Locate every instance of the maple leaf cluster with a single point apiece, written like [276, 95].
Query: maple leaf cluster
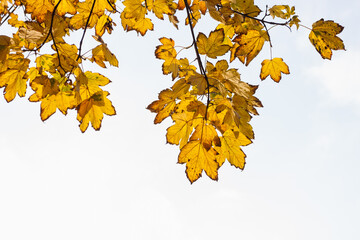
[209, 104]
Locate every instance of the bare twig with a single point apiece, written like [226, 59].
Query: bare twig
[202, 70]
[86, 25]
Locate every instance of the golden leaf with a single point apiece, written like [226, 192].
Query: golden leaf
[14, 81]
[101, 53]
[250, 44]
[197, 159]
[4, 47]
[323, 37]
[212, 46]
[93, 110]
[274, 68]
[179, 132]
[66, 6]
[39, 9]
[164, 106]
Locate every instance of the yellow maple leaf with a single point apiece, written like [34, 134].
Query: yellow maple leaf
[88, 83]
[160, 7]
[212, 46]
[66, 6]
[53, 93]
[92, 110]
[167, 52]
[102, 5]
[179, 132]
[143, 25]
[14, 78]
[323, 37]
[274, 68]
[230, 148]
[79, 20]
[39, 9]
[101, 53]
[164, 106]
[134, 9]
[246, 6]
[104, 23]
[205, 133]
[14, 81]
[33, 33]
[198, 159]
[4, 47]
[250, 44]
[278, 11]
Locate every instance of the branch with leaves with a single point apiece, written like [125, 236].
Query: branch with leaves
[211, 107]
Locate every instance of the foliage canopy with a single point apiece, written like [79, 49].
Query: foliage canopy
[210, 105]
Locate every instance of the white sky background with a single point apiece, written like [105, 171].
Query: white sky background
[301, 180]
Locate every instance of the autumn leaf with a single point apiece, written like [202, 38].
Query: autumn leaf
[164, 106]
[212, 46]
[66, 6]
[14, 82]
[160, 7]
[39, 9]
[230, 148]
[274, 68]
[179, 132]
[198, 159]
[101, 53]
[250, 44]
[4, 47]
[323, 37]
[92, 110]
[167, 52]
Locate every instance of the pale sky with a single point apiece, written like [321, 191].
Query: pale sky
[301, 179]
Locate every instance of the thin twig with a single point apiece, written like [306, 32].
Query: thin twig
[10, 11]
[51, 26]
[112, 6]
[202, 70]
[86, 25]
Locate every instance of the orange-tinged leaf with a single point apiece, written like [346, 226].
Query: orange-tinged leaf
[197, 159]
[323, 37]
[274, 68]
[212, 46]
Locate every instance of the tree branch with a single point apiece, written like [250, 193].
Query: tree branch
[202, 70]
[86, 25]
